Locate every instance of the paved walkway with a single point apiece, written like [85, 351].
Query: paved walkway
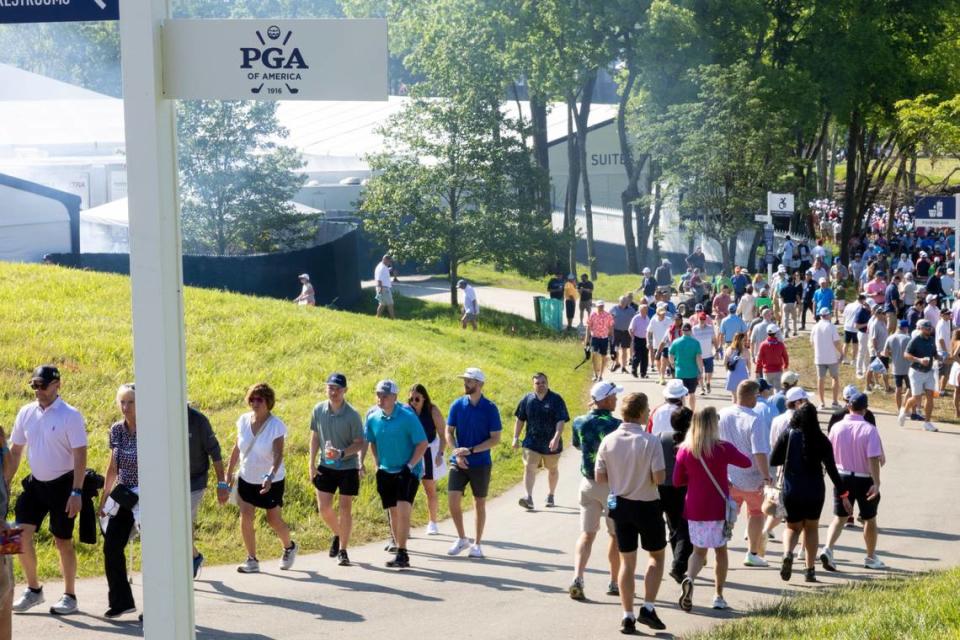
[519, 590]
[436, 289]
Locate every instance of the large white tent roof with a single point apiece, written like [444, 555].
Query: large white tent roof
[17, 84]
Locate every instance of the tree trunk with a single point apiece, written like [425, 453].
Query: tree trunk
[454, 276]
[541, 153]
[644, 211]
[629, 195]
[832, 170]
[850, 204]
[730, 260]
[573, 188]
[583, 119]
[754, 246]
[913, 172]
[655, 221]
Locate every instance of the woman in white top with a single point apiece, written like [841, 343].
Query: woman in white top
[258, 459]
[306, 296]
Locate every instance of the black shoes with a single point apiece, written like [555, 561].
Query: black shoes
[400, 561]
[628, 626]
[786, 567]
[344, 559]
[335, 547]
[116, 612]
[811, 575]
[650, 618]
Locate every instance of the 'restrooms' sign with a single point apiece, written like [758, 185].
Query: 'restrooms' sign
[275, 59]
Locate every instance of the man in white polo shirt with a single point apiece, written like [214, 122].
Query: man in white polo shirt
[55, 436]
[384, 285]
[826, 355]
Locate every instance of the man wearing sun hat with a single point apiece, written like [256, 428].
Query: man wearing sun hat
[826, 354]
[473, 429]
[588, 431]
[673, 394]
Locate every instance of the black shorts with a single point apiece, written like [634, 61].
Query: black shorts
[858, 488]
[427, 464]
[600, 345]
[885, 360]
[690, 384]
[477, 477]
[40, 498]
[346, 481]
[850, 337]
[621, 339]
[902, 382]
[634, 519]
[250, 493]
[396, 487]
[708, 365]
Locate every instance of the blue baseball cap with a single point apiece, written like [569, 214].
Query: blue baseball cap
[731, 308]
[859, 402]
[904, 324]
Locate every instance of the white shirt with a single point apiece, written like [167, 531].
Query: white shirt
[306, 294]
[660, 420]
[819, 252]
[747, 308]
[779, 425]
[850, 316]
[947, 283]
[942, 335]
[50, 436]
[658, 329]
[470, 303]
[256, 461]
[382, 275]
[906, 265]
[824, 337]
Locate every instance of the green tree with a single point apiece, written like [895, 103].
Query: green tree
[723, 151]
[235, 181]
[449, 185]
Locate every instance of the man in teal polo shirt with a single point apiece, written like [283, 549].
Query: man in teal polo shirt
[397, 443]
[686, 356]
[473, 426]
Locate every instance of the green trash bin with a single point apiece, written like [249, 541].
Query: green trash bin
[551, 313]
[536, 309]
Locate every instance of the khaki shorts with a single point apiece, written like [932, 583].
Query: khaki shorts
[549, 461]
[385, 297]
[196, 497]
[593, 506]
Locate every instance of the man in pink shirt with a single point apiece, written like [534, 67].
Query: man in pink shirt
[859, 454]
[876, 288]
[597, 337]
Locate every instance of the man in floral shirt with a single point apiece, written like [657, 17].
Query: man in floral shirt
[599, 329]
[588, 431]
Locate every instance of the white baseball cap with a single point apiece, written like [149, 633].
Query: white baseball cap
[772, 329]
[674, 389]
[796, 393]
[473, 373]
[388, 386]
[603, 390]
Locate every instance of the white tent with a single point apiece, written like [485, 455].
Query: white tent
[36, 220]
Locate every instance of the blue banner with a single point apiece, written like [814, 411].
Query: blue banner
[935, 211]
[20, 11]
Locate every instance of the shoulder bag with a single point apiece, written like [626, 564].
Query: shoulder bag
[234, 498]
[731, 509]
[773, 495]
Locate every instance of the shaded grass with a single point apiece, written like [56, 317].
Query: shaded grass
[81, 321]
[923, 606]
[928, 173]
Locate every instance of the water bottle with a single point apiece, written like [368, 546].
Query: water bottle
[612, 501]
[330, 454]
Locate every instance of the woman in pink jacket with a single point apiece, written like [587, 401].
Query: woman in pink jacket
[702, 455]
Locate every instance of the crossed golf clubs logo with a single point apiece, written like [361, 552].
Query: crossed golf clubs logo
[273, 33]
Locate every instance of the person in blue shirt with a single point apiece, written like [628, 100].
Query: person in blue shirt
[732, 324]
[473, 428]
[823, 297]
[397, 443]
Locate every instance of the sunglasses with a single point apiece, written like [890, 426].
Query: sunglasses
[415, 399]
[255, 400]
[39, 385]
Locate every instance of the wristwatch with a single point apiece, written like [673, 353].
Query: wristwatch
[76, 493]
[470, 450]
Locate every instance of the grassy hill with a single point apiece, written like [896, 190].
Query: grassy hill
[81, 321]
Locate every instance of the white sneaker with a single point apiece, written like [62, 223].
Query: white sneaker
[902, 418]
[65, 606]
[753, 560]
[928, 426]
[289, 555]
[28, 600]
[458, 546]
[475, 551]
[826, 559]
[432, 529]
[250, 565]
[802, 555]
[720, 603]
[873, 562]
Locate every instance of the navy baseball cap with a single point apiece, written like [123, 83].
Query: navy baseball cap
[764, 385]
[46, 373]
[337, 379]
[859, 402]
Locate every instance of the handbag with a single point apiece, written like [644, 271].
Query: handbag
[773, 495]
[732, 362]
[732, 508]
[234, 497]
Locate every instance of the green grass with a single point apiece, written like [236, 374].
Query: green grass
[606, 287]
[917, 607]
[928, 173]
[81, 321]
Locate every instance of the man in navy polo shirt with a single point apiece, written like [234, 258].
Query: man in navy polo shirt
[473, 426]
[544, 412]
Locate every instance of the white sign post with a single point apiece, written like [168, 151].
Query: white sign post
[156, 262]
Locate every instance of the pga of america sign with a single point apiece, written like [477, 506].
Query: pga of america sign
[275, 59]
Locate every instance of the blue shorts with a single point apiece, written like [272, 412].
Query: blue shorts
[708, 365]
